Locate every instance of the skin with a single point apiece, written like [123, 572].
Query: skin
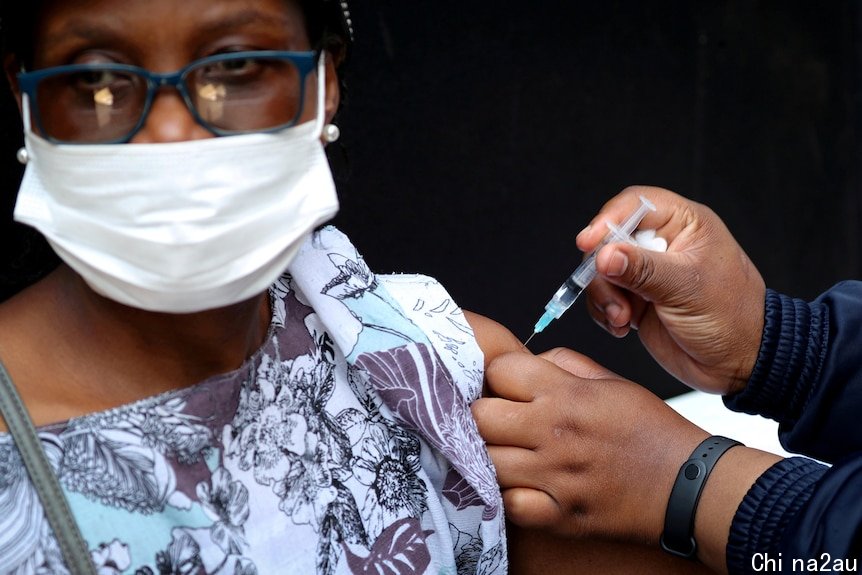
[61, 313]
[559, 481]
[102, 353]
[604, 458]
[697, 308]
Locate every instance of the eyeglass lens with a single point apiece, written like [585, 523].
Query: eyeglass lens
[232, 95]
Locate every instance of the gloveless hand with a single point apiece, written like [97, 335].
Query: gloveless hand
[698, 307]
[579, 450]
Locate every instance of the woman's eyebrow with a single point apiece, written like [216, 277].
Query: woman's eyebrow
[249, 16]
[73, 32]
[113, 32]
[246, 17]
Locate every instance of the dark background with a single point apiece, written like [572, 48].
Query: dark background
[479, 138]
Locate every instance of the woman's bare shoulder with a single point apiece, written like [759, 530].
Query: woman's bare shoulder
[493, 337]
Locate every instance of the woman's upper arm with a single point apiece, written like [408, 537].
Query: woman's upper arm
[493, 338]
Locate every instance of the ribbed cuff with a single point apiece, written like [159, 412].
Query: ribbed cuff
[789, 360]
[771, 503]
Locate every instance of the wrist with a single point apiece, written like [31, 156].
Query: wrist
[729, 482]
[678, 536]
[746, 348]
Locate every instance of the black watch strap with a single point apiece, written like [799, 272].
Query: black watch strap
[678, 536]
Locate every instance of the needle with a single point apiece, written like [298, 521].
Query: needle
[526, 343]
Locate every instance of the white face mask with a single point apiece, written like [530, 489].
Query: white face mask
[180, 227]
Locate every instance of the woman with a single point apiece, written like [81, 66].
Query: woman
[204, 411]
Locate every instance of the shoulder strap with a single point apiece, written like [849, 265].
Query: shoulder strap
[72, 544]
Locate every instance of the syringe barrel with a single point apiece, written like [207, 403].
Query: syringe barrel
[564, 297]
[585, 272]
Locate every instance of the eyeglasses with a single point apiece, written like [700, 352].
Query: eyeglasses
[234, 93]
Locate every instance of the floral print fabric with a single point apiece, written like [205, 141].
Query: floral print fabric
[344, 445]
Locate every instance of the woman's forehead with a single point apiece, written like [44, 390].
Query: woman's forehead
[154, 25]
[25, 26]
[113, 7]
[178, 15]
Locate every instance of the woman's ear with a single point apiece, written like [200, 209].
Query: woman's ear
[333, 89]
[11, 67]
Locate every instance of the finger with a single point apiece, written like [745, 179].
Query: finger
[598, 316]
[611, 302]
[493, 338]
[530, 507]
[673, 213]
[653, 276]
[577, 364]
[519, 376]
[516, 466]
[639, 308]
[504, 422]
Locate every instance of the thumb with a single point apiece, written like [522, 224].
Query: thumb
[654, 276]
[576, 363]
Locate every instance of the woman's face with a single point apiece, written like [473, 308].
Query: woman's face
[164, 36]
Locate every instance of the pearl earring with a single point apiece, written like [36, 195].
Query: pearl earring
[331, 133]
[23, 155]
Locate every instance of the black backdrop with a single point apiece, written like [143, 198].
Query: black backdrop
[479, 138]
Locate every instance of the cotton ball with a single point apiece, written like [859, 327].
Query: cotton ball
[648, 240]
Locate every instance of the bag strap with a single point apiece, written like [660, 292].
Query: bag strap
[72, 545]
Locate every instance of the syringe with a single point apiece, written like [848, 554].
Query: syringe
[584, 274]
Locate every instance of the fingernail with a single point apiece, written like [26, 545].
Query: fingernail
[618, 264]
[612, 312]
[620, 332]
[583, 231]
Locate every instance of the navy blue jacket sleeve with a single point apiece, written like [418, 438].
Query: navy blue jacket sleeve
[808, 374]
[808, 377]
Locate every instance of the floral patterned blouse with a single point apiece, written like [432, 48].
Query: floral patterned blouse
[345, 444]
